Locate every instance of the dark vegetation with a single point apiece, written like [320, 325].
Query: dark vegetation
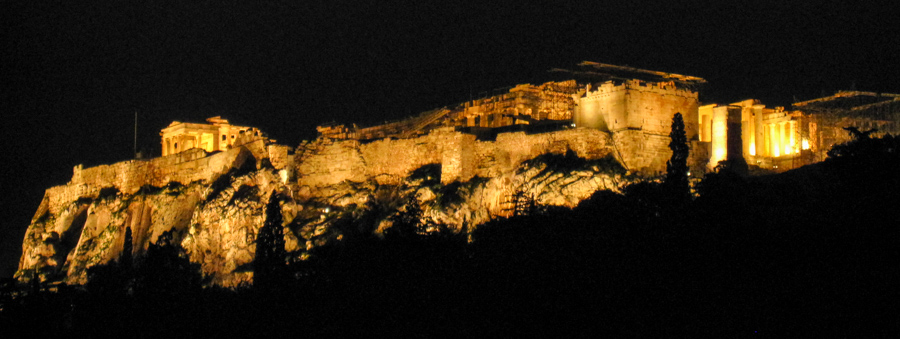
[568, 162]
[808, 252]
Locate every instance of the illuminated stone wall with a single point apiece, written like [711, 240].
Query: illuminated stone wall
[184, 168]
[511, 149]
[218, 223]
[327, 162]
[636, 114]
[639, 116]
[601, 108]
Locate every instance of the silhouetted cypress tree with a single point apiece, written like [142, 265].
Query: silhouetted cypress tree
[268, 264]
[126, 259]
[166, 270]
[676, 167]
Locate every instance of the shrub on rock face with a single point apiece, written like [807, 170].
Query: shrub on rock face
[408, 221]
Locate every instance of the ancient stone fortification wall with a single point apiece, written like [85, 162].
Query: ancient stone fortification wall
[652, 106]
[602, 109]
[639, 115]
[511, 149]
[327, 162]
[129, 176]
[642, 151]
[647, 153]
[217, 224]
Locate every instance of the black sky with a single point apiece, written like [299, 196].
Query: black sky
[77, 72]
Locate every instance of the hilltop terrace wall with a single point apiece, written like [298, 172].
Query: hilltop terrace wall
[129, 176]
[388, 161]
[636, 104]
[639, 115]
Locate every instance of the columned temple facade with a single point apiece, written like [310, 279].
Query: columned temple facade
[780, 139]
[217, 135]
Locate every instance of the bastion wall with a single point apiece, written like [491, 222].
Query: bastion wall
[388, 161]
[638, 115]
[129, 176]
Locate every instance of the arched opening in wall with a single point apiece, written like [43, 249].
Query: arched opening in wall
[68, 240]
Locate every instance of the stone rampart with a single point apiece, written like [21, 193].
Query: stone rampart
[643, 152]
[129, 176]
[388, 161]
[652, 107]
[639, 115]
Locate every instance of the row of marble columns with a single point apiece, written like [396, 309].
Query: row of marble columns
[780, 138]
[184, 142]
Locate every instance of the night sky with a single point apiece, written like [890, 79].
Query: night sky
[76, 73]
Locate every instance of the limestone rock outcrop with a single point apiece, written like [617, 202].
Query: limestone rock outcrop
[215, 203]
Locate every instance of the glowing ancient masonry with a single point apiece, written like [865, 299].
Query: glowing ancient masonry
[213, 181]
[634, 108]
[218, 135]
[779, 139]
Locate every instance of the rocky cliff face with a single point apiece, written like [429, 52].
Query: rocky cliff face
[216, 211]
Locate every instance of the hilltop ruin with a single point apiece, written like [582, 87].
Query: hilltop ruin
[555, 143]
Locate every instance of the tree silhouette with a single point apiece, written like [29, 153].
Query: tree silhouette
[676, 168]
[862, 145]
[268, 265]
[126, 259]
[115, 277]
[165, 270]
[408, 223]
[860, 135]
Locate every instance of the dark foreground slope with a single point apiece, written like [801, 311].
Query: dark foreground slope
[805, 252]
